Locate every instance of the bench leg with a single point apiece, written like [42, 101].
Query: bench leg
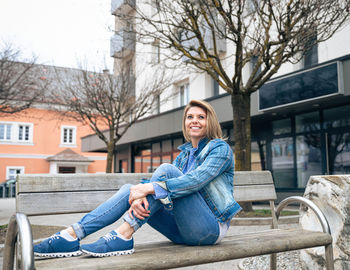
[273, 261]
[329, 257]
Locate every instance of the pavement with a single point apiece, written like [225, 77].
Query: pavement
[44, 226]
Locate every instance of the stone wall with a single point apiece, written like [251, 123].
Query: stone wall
[332, 195]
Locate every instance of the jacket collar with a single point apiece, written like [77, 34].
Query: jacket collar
[188, 146]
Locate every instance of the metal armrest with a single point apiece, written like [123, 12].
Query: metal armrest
[308, 203]
[19, 223]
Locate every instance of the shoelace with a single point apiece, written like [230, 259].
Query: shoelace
[109, 237]
[53, 237]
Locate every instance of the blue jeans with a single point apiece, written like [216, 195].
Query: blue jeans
[190, 222]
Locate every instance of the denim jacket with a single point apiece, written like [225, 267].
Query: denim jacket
[212, 177]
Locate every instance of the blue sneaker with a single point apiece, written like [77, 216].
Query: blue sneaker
[109, 245]
[57, 246]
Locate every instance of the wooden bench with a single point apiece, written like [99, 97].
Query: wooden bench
[59, 194]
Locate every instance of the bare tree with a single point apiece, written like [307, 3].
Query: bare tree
[108, 103]
[21, 83]
[239, 43]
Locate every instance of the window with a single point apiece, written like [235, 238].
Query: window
[156, 106]
[68, 135]
[11, 172]
[253, 64]
[311, 51]
[5, 132]
[309, 157]
[281, 126]
[283, 162]
[66, 170]
[307, 122]
[184, 94]
[156, 52]
[215, 88]
[336, 117]
[12, 132]
[23, 133]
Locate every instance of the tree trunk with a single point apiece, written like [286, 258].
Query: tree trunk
[241, 131]
[110, 154]
[242, 136]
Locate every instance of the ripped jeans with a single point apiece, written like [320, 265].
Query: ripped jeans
[190, 222]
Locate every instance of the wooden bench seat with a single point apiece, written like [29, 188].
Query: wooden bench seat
[60, 194]
[164, 255]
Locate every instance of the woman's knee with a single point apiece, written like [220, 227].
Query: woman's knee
[165, 167]
[126, 186]
[166, 170]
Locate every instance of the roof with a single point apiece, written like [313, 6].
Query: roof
[68, 155]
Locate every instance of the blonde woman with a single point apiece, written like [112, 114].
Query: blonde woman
[190, 201]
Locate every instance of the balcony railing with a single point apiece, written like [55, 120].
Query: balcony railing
[122, 6]
[123, 44]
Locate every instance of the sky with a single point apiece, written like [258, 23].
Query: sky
[59, 32]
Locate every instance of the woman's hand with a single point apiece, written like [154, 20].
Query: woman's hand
[140, 191]
[139, 208]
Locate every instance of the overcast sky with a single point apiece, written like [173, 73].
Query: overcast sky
[59, 32]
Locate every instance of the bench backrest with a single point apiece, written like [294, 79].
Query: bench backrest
[44, 194]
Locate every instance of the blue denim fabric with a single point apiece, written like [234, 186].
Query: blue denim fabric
[212, 177]
[189, 222]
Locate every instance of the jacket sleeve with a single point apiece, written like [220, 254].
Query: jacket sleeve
[218, 159]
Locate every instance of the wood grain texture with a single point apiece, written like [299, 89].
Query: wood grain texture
[165, 255]
[39, 194]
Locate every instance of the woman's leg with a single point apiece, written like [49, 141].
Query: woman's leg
[196, 222]
[115, 207]
[191, 222]
[64, 243]
[105, 214]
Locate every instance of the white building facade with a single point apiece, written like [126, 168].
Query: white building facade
[300, 131]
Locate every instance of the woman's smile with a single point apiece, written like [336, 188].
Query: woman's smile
[196, 124]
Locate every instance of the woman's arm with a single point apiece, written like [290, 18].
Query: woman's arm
[218, 160]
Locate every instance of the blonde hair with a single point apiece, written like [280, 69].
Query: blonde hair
[213, 127]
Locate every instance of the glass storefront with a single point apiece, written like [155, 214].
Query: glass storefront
[283, 162]
[148, 157]
[337, 133]
[339, 153]
[142, 158]
[308, 144]
[309, 160]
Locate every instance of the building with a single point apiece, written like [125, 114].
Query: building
[300, 130]
[41, 140]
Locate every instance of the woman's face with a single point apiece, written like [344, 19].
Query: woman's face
[196, 123]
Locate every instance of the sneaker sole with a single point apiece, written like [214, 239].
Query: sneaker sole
[58, 255]
[108, 254]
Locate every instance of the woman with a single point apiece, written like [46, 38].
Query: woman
[190, 202]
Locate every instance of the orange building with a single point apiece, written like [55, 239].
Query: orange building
[40, 140]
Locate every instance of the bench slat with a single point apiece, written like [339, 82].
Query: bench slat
[60, 202]
[69, 182]
[254, 193]
[252, 178]
[59, 182]
[167, 255]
